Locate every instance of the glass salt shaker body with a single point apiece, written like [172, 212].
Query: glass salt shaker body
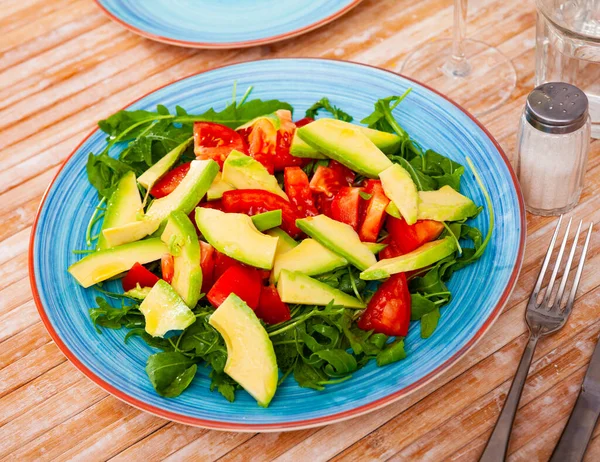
[553, 144]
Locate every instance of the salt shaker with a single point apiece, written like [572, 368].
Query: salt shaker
[552, 148]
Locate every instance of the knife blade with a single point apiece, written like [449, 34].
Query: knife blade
[577, 433]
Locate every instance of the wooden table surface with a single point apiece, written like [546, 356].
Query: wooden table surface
[64, 65]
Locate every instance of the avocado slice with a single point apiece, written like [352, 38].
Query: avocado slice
[285, 242]
[104, 264]
[139, 293]
[392, 210]
[188, 193]
[267, 220]
[164, 310]
[402, 191]
[180, 235]
[445, 204]
[217, 188]
[129, 232]
[300, 289]
[338, 237]
[387, 142]
[375, 247]
[251, 359]
[310, 258]
[243, 172]
[347, 144]
[122, 207]
[235, 235]
[424, 256]
[154, 173]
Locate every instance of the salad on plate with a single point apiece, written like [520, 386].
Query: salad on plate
[267, 249]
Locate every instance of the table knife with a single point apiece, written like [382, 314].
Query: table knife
[578, 431]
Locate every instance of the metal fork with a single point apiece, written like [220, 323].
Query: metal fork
[542, 319]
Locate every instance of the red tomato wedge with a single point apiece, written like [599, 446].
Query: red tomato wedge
[138, 274]
[388, 312]
[167, 184]
[270, 307]
[298, 190]
[407, 238]
[167, 267]
[254, 201]
[304, 121]
[223, 263]
[327, 181]
[215, 141]
[243, 281]
[217, 205]
[345, 206]
[342, 171]
[207, 263]
[374, 212]
[271, 147]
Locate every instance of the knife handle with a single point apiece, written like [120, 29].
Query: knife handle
[578, 431]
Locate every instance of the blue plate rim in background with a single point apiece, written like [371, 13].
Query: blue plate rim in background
[288, 425]
[126, 23]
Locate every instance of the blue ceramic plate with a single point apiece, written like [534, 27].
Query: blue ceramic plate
[479, 290]
[223, 23]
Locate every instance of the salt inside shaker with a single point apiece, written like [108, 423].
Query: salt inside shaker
[552, 146]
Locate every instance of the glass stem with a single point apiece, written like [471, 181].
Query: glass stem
[458, 65]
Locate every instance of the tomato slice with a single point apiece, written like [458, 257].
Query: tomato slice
[207, 263]
[167, 267]
[327, 181]
[388, 311]
[271, 147]
[270, 307]
[298, 190]
[223, 263]
[407, 237]
[215, 141]
[374, 212]
[345, 206]
[138, 274]
[217, 205]
[304, 121]
[167, 184]
[342, 171]
[254, 201]
[243, 281]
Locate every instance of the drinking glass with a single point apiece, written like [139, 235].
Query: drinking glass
[472, 73]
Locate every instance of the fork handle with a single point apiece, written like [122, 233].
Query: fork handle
[497, 445]
[579, 429]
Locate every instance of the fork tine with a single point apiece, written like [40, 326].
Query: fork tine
[557, 263]
[565, 277]
[538, 284]
[579, 270]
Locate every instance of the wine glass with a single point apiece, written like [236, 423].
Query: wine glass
[472, 73]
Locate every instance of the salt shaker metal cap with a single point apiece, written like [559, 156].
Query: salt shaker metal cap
[556, 107]
[552, 148]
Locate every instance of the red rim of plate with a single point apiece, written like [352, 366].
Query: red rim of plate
[297, 425]
[227, 45]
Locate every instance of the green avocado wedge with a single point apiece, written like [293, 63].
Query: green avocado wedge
[298, 288]
[267, 220]
[154, 173]
[218, 188]
[310, 258]
[347, 144]
[375, 247]
[424, 256]
[339, 238]
[164, 310]
[445, 204]
[182, 240]
[129, 232]
[188, 193]
[251, 359]
[104, 264]
[122, 207]
[402, 191]
[285, 242]
[235, 235]
[244, 172]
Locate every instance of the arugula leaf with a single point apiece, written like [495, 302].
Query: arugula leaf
[441, 169]
[429, 323]
[114, 318]
[393, 352]
[154, 342]
[420, 306]
[339, 362]
[104, 173]
[335, 111]
[382, 118]
[223, 384]
[308, 376]
[170, 372]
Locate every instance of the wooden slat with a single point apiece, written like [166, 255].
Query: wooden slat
[64, 65]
